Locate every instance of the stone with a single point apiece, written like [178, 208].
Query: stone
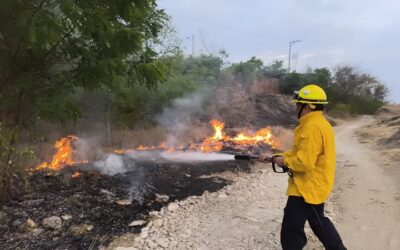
[162, 198]
[137, 223]
[3, 217]
[31, 224]
[19, 225]
[144, 235]
[124, 202]
[162, 242]
[126, 248]
[222, 195]
[37, 231]
[158, 223]
[151, 244]
[145, 230]
[173, 207]
[80, 230]
[53, 222]
[154, 214]
[16, 223]
[106, 192]
[66, 217]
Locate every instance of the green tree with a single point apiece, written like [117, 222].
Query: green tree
[48, 49]
[247, 72]
[275, 70]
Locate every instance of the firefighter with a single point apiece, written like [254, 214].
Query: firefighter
[311, 164]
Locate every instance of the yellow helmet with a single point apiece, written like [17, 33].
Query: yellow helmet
[310, 94]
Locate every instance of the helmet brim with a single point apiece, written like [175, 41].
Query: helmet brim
[309, 101]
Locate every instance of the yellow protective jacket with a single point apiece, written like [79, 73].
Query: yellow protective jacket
[312, 159]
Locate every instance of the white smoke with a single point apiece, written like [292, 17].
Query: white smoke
[177, 118]
[112, 165]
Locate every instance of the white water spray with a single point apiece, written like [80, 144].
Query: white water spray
[192, 156]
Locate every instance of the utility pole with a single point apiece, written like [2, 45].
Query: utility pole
[192, 37]
[290, 51]
[193, 45]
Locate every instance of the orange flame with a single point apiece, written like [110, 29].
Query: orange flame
[76, 175]
[218, 127]
[63, 156]
[216, 142]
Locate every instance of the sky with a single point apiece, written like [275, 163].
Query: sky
[361, 33]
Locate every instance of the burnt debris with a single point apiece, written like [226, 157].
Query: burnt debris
[87, 210]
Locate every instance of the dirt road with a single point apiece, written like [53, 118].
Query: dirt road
[365, 206]
[367, 192]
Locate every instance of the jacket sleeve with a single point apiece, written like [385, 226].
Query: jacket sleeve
[309, 146]
[288, 153]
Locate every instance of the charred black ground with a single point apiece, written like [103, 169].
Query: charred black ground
[91, 200]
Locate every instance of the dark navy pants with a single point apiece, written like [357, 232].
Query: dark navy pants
[296, 213]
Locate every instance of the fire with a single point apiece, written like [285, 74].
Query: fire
[218, 126]
[76, 175]
[216, 142]
[63, 155]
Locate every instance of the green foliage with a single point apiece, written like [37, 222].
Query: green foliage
[133, 104]
[247, 72]
[347, 90]
[48, 48]
[292, 82]
[275, 70]
[52, 50]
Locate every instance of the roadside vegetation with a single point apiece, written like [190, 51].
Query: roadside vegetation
[119, 64]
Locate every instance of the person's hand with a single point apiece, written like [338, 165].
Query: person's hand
[279, 160]
[264, 158]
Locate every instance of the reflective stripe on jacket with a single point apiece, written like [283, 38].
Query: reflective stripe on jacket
[312, 159]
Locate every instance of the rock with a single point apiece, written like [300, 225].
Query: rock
[31, 224]
[183, 203]
[137, 223]
[162, 242]
[173, 207]
[31, 203]
[66, 217]
[222, 195]
[126, 248]
[154, 214]
[37, 231]
[3, 217]
[144, 235]
[124, 202]
[53, 222]
[18, 225]
[80, 230]
[158, 223]
[151, 244]
[162, 198]
[106, 192]
[145, 230]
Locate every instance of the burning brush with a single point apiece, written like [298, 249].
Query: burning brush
[261, 140]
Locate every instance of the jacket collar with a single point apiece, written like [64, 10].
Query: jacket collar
[310, 116]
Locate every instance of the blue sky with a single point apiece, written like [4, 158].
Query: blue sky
[365, 34]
